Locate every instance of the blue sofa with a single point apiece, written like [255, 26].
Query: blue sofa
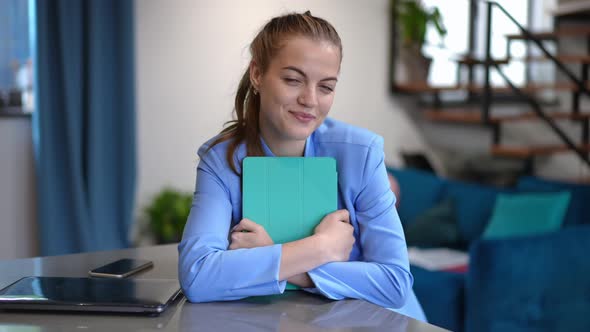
[526, 283]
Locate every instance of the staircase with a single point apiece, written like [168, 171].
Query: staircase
[482, 113]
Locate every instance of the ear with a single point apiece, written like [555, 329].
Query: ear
[255, 74]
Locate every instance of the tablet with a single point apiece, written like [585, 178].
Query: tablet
[149, 296]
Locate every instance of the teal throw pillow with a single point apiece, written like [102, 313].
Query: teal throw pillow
[527, 214]
[435, 227]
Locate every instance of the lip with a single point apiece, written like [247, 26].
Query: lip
[303, 117]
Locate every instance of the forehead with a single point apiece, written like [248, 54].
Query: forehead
[312, 56]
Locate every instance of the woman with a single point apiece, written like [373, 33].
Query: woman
[281, 106]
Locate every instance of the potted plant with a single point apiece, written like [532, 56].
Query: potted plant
[412, 19]
[167, 214]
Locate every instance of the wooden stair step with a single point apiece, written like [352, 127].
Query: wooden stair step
[524, 152]
[468, 60]
[531, 88]
[473, 116]
[422, 87]
[572, 7]
[572, 31]
[454, 115]
[564, 58]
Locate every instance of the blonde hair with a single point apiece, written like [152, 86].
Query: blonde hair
[263, 49]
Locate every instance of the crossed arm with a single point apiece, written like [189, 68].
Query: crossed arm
[332, 242]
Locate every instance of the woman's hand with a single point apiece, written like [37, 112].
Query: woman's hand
[337, 236]
[248, 234]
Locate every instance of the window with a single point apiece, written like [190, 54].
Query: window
[16, 65]
[502, 26]
[455, 16]
[456, 19]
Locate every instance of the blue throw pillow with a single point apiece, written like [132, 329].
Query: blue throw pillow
[527, 214]
[579, 209]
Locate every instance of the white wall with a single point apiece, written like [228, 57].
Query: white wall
[17, 190]
[191, 55]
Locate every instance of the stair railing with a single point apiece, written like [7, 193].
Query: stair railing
[487, 96]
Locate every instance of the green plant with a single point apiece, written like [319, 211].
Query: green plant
[167, 214]
[413, 19]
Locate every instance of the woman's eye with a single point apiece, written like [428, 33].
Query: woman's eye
[327, 88]
[292, 81]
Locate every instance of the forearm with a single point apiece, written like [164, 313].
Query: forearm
[227, 274]
[385, 285]
[300, 256]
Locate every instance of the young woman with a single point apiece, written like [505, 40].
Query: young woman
[281, 106]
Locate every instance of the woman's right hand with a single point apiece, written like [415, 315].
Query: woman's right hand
[337, 236]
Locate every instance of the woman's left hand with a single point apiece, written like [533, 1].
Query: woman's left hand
[248, 234]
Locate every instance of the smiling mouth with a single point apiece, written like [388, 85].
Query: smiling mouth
[302, 116]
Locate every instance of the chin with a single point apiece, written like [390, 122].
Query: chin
[300, 134]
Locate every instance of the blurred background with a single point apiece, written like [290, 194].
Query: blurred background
[175, 66]
[188, 57]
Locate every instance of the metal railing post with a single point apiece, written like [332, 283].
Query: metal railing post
[487, 94]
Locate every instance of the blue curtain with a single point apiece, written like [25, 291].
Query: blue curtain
[84, 124]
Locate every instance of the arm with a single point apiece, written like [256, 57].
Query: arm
[332, 241]
[207, 270]
[297, 257]
[383, 276]
[210, 272]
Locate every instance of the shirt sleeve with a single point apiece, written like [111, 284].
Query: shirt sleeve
[382, 277]
[207, 270]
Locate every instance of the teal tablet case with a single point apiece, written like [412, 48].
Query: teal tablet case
[289, 196]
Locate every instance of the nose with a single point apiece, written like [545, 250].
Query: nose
[308, 97]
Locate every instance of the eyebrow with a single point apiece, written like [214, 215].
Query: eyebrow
[303, 74]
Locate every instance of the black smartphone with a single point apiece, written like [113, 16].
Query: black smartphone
[121, 268]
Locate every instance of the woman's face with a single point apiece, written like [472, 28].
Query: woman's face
[296, 91]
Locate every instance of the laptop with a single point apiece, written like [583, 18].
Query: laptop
[140, 296]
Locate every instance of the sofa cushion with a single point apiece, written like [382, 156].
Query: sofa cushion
[527, 214]
[419, 191]
[474, 204]
[435, 227]
[441, 295]
[579, 209]
[534, 283]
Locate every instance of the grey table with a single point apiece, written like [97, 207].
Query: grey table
[292, 311]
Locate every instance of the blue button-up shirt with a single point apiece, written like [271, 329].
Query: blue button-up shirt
[378, 268]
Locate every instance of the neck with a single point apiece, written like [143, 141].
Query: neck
[287, 149]
[284, 148]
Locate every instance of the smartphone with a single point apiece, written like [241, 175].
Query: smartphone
[121, 268]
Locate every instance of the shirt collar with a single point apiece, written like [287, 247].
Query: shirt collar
[308, 152]
[265, 148]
